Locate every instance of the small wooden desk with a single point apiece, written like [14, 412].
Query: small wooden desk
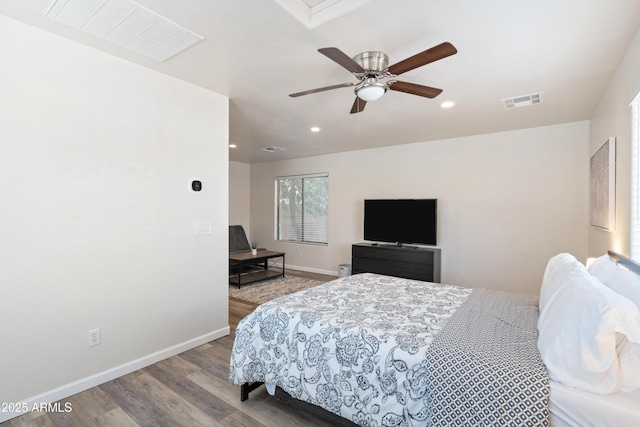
[242, 260]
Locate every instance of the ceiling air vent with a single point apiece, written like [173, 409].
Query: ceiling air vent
[127, 24]
[273, 149]
[522, 101]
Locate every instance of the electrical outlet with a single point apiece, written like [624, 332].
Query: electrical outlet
[300, 254]
[94, 337]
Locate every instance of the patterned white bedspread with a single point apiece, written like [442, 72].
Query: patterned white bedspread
[384, 351]
[354, 346]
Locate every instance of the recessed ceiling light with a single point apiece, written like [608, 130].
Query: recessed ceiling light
[232, 145]
[315, 129]
[448, 104]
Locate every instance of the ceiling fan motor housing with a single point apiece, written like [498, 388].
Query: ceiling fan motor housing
[372, 61]
[374, 64]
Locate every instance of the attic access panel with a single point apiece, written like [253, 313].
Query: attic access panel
[125, 23]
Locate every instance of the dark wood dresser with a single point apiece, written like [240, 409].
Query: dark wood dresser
[409, 262]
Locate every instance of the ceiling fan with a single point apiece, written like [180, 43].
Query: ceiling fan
[372, 68]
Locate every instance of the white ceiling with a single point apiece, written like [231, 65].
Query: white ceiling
[257, 53]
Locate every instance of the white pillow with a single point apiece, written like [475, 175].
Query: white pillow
[555, 276]
[582, 327]
[603, 268]
[624, 282]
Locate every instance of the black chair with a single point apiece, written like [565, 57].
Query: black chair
[238, 239]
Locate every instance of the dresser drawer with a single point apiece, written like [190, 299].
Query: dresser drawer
[412, 271]
[370, 265]
[411, 255]
[375, 252]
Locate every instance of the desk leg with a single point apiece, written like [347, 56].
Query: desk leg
[239, 275]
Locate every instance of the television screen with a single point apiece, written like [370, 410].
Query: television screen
[401, 221]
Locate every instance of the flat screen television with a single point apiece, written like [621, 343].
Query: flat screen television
[401, 221]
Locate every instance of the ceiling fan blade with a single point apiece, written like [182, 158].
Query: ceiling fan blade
[321, 89]
[342, 59]
[414, 89]
[423, 58]
[358, 105]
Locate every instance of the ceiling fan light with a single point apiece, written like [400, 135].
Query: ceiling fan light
[371, 91]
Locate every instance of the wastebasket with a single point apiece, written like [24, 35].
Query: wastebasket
[344, 270]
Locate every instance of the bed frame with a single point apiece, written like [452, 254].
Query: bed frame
[247, 388]
[625, 261]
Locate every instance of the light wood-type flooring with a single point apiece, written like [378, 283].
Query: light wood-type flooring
[190, 389]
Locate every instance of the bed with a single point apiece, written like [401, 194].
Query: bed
[386, 351]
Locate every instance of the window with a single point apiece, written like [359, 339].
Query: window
[302, 208]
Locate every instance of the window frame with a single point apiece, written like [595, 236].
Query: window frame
[277, 207]
[634, 214]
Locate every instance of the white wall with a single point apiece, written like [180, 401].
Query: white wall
[507, 201]
[97, 225]
[239, 195]
[612, 117]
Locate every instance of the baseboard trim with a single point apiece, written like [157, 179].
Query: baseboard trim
[83, 384]
[312, 270]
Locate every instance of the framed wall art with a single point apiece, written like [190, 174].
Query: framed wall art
[603, 186]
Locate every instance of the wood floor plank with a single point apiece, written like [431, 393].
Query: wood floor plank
[135, 402]
[163, 403]
[70, 413]
[214, 384]
[94, 402]
[31, 419]
[204, 356]
[173, 407]
[207, 402]
[116, 418]
[240, 419]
